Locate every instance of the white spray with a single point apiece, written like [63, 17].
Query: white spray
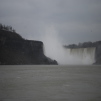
[55, 50]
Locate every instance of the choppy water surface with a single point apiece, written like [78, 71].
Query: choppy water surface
[50, 83]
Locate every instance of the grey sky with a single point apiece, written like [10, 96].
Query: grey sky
[74, 20]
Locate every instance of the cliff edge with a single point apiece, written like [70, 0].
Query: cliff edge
[14, 50]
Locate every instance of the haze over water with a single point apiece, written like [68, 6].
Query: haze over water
[54, 49]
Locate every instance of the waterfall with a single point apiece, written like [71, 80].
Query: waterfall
[80, 55]
[64, 56]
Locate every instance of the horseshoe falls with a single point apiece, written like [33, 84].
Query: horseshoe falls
[80, 56]
[76, 56]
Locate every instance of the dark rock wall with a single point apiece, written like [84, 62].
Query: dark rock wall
[14, 50]
[98, 54]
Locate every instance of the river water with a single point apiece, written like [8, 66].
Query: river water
[50, 83]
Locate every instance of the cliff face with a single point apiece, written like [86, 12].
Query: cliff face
[97, 46]
[14, 50]
[98, 54]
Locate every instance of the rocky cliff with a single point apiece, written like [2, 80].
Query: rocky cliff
[96, 45]
[14, 50]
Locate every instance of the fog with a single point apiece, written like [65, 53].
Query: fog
[53, 48]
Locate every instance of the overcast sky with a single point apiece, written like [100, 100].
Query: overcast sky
[74, 21]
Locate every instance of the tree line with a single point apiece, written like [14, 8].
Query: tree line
[83, 45]
[7, 28]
